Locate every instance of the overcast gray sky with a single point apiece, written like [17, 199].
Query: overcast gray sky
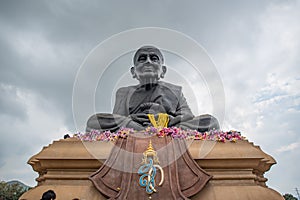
[255, 46]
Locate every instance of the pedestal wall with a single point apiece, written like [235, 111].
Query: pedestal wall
[237, 169]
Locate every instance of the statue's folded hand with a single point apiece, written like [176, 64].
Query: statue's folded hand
[140, 118]
[152, 108]
[173, 120]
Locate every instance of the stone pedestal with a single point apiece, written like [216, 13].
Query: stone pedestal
[237, 169]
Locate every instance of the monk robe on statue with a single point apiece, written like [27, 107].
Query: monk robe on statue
[150, 103]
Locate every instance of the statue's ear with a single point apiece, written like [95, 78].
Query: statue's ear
[132, 70]
[164, 70]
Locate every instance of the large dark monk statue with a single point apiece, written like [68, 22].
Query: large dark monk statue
[150, 103]
[134, 103]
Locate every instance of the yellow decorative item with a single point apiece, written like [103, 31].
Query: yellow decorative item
[162, 121]
[150, 152]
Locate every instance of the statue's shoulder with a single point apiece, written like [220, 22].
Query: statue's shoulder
[126, 89]
[171, 86]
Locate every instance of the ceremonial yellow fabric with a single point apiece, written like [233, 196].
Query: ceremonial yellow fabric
[162, 121]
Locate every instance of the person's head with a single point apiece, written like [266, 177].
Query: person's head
[49, 195]
[148, 64]
[66, 136]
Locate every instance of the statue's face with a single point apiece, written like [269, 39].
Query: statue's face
[148, 64]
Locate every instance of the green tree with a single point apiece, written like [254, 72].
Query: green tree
[11, 191]
[289, 197]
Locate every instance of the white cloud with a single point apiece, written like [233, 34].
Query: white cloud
[261, 80]
[20, 139]
[289, 147]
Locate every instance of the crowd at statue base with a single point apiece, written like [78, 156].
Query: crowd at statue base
[237, 170]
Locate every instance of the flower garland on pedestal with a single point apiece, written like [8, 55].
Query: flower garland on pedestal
[174, 132]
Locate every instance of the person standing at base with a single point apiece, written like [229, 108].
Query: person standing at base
[49, 195]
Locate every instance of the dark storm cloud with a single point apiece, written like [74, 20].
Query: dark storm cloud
[9, 104]
[23, 21]
[78, 25]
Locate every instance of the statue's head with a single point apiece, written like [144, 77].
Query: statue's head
[148, 64]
